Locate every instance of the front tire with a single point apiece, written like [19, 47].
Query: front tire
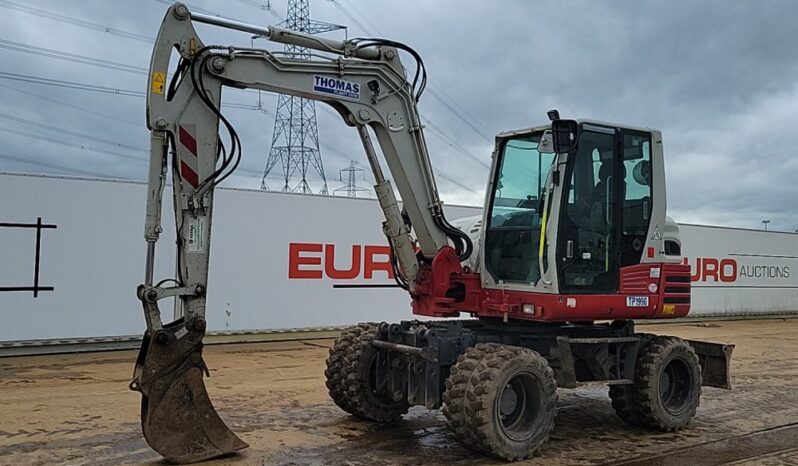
[366, 394]
[334, 370]
[511, 402]
[454, 397]
[667, 388]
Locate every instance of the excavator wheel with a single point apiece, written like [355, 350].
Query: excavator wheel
[454, 397]
[667, 388]
[334, 371]
[366, 394]
[623, 396]
[511, 402]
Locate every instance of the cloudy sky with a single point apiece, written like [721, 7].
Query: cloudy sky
[717, 77]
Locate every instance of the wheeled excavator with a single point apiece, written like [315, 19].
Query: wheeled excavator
[572, 247]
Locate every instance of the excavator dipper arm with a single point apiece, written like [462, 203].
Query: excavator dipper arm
[365, 83]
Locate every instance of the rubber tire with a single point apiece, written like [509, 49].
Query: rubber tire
[454, 396]
[624, 405]
[622, 396]
[334, 370]
[498, 365]
[364, 403]
[650, 365]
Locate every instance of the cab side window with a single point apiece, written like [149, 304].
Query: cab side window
[637, 196]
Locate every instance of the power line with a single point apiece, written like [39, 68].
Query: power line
[76, 107]
[40, 137]
[438, 95]
[263, 6]
[51, 53]
[252, 172]
[438, 173]
[69, 84]
[75, 21]
[72, 57]
[70, 132]
[38, 163]
[352, 5]
[92, 138]
[456, 183]
[131, 93]
[95, 88]
[439, 90]
[436, 131]
[458, 114]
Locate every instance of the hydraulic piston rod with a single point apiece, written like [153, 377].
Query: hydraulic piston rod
[287, 36]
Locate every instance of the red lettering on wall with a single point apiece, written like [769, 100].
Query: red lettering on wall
[296, 259]
[696, 269]
[710, 269]
[318, 261]
[370, 264]
[728, 270]
[329, 264]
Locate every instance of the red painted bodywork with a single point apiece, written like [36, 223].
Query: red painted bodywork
[445, 289]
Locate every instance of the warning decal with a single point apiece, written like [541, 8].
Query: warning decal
[157, 83]
[656, 235]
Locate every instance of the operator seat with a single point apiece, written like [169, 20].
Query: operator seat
[598, 198]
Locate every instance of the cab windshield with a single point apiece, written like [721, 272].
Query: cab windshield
[513, 235]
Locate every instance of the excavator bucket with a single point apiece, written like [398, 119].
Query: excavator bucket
[177, 417]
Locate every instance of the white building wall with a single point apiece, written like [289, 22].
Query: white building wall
[94, 259]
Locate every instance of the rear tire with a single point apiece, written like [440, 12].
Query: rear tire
[667, 388]
[511, 402]
[366, 394]
[623, 396]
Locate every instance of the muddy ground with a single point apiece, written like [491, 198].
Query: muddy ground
[77, 409]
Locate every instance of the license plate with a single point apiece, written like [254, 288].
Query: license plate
[637, 301]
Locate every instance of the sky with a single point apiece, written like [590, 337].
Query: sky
[718, 78]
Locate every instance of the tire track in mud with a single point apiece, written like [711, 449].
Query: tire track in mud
[751, 446]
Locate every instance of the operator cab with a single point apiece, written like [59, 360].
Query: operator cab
[568, 222]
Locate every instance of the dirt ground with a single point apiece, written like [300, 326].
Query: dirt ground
[77, 409]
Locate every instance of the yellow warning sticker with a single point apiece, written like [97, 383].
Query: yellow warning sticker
[669, 309]
[158, 82]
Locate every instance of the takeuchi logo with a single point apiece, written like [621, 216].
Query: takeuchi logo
[728, 270]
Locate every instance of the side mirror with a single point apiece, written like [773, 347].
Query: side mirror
[564, 135]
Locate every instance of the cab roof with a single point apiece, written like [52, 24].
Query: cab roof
[534, 129]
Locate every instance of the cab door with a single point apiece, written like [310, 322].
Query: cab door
[587, 237]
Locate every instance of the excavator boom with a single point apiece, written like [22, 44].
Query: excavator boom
[364, 81]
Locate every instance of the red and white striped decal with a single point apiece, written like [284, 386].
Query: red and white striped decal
[187, 172]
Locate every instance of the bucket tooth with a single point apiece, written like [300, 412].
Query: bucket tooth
[177, 417]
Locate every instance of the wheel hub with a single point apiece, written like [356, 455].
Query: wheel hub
[675, 385]
[508, 402]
